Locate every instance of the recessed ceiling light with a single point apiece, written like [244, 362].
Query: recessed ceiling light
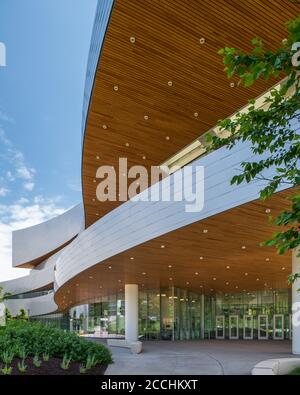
[268, 211]
[132, 39]
[267, 259]
[119, 281]
[227, 267]
[170, 83]
[144, 157]
[236, 287]
[167, 138]
[201, 286]
[94, 200]
[162, 246]
[232, 85]
[94, 180]
[211, 290]
[196, 114]
[227, 283]
[187, 283]
[127, 144]
[197, 274]
[98, 157]
[201, 258]
[214, 279]
[283, 268]
[91, 277]
[97, 214]
[170, 279]
[110, 267]
[170, 266]
[100, 286]
[77, 285]
[116, 88]
[246, 274]
[144, 273]
[205, 230]
[104, 126]
[132, 258]
[244, 247]
[257, 279]
[202, 40]
[146, 117]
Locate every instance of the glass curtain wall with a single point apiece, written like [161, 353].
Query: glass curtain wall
[269, 309]
[178, 314]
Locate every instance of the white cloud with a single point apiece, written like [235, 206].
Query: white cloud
[4, 117]
[4, 140]
[16, 160]
[22, 214]
[3, 191]
[25, 173]
[29, 186]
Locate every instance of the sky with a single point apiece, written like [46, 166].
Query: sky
[41, 93]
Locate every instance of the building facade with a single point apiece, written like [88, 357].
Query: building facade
[152, 269]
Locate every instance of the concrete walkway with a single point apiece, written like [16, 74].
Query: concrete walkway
[209, 357]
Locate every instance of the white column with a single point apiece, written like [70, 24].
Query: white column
[131, 312]
[296, 303]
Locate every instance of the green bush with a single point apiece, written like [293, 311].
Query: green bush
[37, 338]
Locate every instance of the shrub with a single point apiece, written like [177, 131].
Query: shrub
[6, 370]
[65, 364]
[36, 361]
[46, 356]
[36, 338]
[22, 367]
[7, 356]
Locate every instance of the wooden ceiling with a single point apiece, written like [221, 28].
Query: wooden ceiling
[166, 74]
[226, 266]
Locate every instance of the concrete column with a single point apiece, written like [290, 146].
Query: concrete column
[131, 312]
[296, 303]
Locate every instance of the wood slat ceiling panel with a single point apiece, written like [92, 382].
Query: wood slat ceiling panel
[167, 48]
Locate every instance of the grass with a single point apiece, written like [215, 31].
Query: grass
[295, 372]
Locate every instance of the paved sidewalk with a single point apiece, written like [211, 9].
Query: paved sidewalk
[209, 357]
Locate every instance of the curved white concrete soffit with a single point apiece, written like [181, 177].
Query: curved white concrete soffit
[37, 241]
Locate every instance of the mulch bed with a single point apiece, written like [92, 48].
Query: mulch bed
[52, 367]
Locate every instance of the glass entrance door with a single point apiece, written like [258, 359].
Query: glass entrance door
[248, 327]
[278, 327]
[233, 327]
[263, 327]
[220, 327]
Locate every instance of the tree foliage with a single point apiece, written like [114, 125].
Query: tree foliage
[270, 128]
[3, 295]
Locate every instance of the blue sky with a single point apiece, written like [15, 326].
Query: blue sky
[41, 92]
